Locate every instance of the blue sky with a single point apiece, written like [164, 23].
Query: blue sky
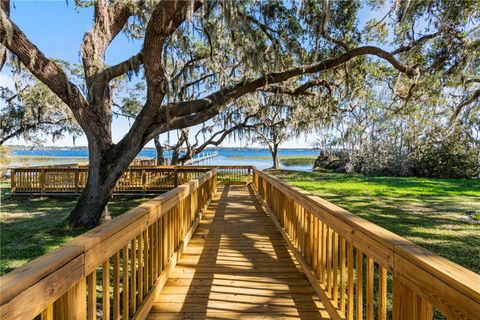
[57, 28]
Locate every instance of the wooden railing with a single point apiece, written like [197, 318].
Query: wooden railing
[144, 162]
[235, 174]
[362, 271]
[48, 180]
[115, 270]
[358, 269]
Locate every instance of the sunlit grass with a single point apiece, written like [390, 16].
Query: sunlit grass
[438, 214]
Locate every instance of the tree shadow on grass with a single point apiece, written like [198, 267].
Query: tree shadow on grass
[430, 212]
[31, 227]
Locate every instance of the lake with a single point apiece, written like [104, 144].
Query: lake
[260, 158]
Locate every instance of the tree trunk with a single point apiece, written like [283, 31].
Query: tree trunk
[103, 172]
[160, 151]
[175, 156]
[276, 160]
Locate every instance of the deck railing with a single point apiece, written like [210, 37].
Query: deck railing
[144, 162]
[115, 270]
[358, 269]
[362, 271]
[72, 180]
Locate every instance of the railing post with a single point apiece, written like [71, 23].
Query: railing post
[13, 181]
[72, 305]
[407, 305]
[175, 177]
[77, 182]
[42, 180]
[144, 181]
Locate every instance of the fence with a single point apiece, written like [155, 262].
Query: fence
[350, 261]
[358, 269]
[128, 258]
[72, 180]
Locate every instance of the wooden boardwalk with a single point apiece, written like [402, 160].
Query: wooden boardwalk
[237, 266]
[204, 250]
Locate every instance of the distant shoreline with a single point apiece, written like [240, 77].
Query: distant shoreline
[85, 148]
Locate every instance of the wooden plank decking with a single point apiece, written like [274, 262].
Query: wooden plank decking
[237, 266]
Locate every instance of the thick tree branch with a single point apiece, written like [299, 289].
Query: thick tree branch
[131, 64]
[165, 19]
[109, 21]
[5, 6]
[40, 66]
[197, 111]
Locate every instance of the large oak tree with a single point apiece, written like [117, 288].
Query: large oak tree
[229, 49]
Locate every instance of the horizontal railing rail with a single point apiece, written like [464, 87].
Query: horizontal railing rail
[362, 271]
[115, 270]
[135, 162]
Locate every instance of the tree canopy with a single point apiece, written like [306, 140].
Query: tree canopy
[200, 57]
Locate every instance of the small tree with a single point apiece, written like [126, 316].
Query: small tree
[273, 128]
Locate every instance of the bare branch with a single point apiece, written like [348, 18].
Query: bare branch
[216, 139]
[265, 29]
[301, 90]
[187, 65]
[417, 42]
[194, 82]
[338, 42]
[465, 102]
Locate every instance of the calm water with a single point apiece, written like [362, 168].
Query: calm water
[225, 157]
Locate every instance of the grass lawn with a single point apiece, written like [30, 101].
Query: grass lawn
[31, 227]
[442, 215]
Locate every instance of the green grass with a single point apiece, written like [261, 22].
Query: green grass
[298, 161]
[31, 227]
[438, 214]
[288, 161]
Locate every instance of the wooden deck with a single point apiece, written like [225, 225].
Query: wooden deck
[237, 266]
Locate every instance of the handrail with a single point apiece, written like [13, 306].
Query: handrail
[73, 179]
[358, 269]
[141, 247]
[136, 179]
[344, 254]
